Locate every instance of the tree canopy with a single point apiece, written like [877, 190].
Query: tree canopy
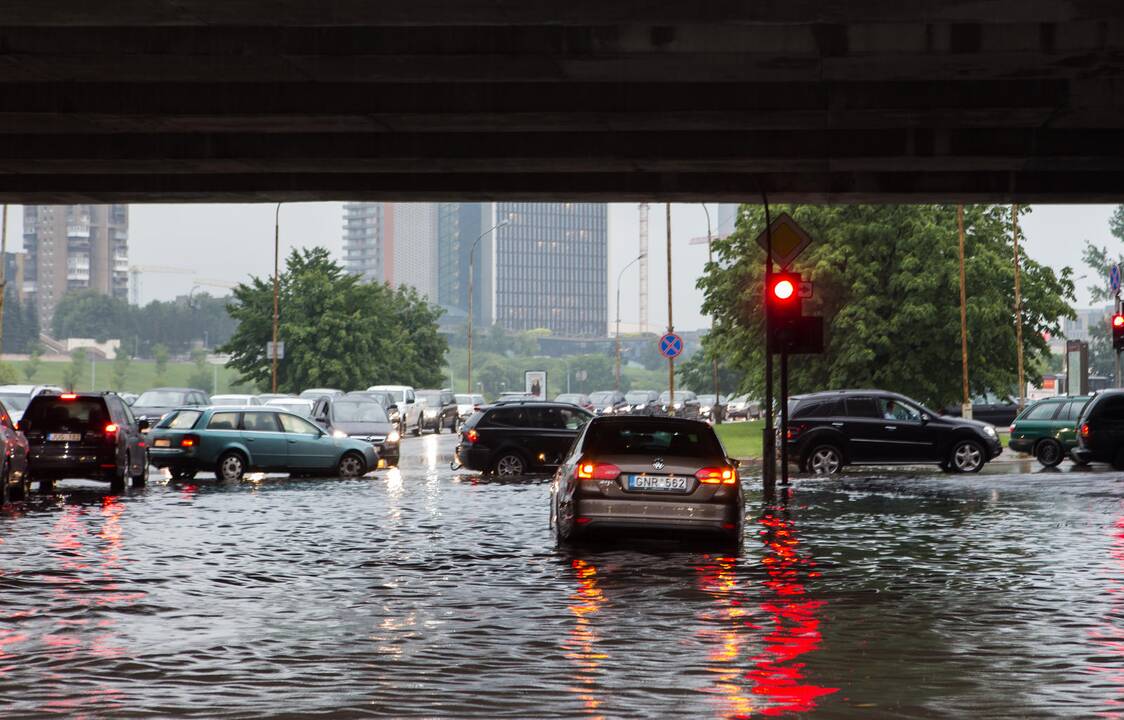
[338, 331]
[886, 280]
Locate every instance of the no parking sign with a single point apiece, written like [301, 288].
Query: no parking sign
[671, 345]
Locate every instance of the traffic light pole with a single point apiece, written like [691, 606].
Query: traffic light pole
[768, 444]
[784, 413]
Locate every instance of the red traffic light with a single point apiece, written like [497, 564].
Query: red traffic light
[783, 289]
[1118, 320]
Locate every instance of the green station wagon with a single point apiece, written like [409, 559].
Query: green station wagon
[231, 441]
[1048, 429]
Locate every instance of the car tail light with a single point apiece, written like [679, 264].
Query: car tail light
[795, 430]
[471, 436]
[68, 396]
[1085, 430]
[598, 471]
[188, 441]
[717, 476]
[110, 429]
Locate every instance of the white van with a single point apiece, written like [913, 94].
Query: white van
[409, 408]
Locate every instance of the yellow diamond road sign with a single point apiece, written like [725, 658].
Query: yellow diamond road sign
[789, 240]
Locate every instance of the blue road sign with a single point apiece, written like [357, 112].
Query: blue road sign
[671, 345]
[1114, 278]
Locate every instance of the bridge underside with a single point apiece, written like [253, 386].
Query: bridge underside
[810, 100]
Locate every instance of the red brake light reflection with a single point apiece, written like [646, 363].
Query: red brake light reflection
[1085, 430]
[717, 476]
[598, 471]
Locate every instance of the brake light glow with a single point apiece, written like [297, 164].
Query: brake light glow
[717, 476]
[68, 396]
[110, 429]
[1084, 430]
[598, 471]
[471, 436]
[189, 441]
[794, 431]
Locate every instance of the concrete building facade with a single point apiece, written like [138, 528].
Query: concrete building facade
[363, 240]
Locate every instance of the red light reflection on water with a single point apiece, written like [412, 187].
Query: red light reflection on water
[726, 626]
[1110, 635]
[581, 646]
[790, 618]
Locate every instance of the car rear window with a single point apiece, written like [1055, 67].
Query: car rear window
[1073, 410]
[1041, 411]
[180, 420]
[652, 438]
[54, 414]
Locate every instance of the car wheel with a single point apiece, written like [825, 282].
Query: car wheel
[5, 491]
[967, 456]
[510, 464]
[117, 479]
[352, 465]
[417, 429]
[20, 491]
[825, 460]
[1049, 453]
[142, 479]
[231, 467]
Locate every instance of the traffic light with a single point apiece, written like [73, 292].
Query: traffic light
[789, 330]
[1118, 332]
[783, 302]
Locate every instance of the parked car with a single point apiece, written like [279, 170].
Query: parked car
[686, 404]
[516, 438]
[359, 418]
[608, 402]
[743, 408]
[127, 397]
[298, 406]
[989, 408]
[1048, 429]
[231, 441]
[828, 430]
[1100, 430]
[14, 480]
[517, 395]
[317, 393]
[153, 404]
[15, 398]
[388, 403]
[263, 398]
[712, 407]
[652, 474]
[93, 436]
[467, 405]
[235, 400]
[439, 410]
[643, 402]
[408, 406]
[580, 399]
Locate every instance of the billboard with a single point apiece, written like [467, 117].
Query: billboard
[535, 384]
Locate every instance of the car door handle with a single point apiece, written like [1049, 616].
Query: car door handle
[890, 427]
[837, 424]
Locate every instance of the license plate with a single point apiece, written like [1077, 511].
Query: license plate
[64, 437]
[658, 483]
[162, 442]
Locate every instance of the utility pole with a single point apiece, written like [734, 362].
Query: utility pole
[768, 468]
[620, 276]
[1019, 310]
[966, 405]
[276, 287]
[670, 324]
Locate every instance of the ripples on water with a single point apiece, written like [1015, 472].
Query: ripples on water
[428, 593]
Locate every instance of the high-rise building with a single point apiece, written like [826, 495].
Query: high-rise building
[412, 233]
[551, 267]
[363, 240]
[74, 247]
[459, 225]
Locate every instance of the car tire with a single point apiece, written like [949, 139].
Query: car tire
[967, 456]
[509, 464]
[117, 479]
[351, 465]
[142, 479]
[418, 429]
[825, 459]
[230, 467]
[1049, 453]
[20, 491]
[5, 491]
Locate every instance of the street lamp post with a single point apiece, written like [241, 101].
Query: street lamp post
[714, 413]
[471, 272]
[276, 287]
[620, 276]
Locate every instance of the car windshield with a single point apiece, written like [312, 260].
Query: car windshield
[602, 396]
[161, 398]
[431, 398]
[464, 400]
[652, 438]
[358, 411]
[637, 397]
[15, 402]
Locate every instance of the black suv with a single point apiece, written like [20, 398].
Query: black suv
[92, 436]
[515, 438]
[1100, 431]
[828, 430]
[438, 411]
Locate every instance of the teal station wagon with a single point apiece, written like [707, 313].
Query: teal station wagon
[1048, 429]
[231, 441]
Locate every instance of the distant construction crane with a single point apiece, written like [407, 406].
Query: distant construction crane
[136, 271]
[643, 320]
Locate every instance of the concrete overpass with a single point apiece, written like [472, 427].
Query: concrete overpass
[812, 100]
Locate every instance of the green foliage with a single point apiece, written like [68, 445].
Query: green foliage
[75, 370]
[160, 354]
[21, 322]
[337, 330]
[202, 376]
[8, 374]
[887, 283]
[1099, 259]
[697, 372]
[121, 368]
[89, 313]
[34, 360]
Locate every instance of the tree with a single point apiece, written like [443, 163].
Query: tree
[1102, 358]
[8, 374]
[697, 372]
[73, 372]
[89, 313]
[121, 364]
[160, 354]
[34, 360]
[337, 330]
[887, 283]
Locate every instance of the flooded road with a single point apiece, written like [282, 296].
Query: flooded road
[430, 593]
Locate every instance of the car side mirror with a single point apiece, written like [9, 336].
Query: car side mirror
[925, 418]
[142, 424]
[735, 462]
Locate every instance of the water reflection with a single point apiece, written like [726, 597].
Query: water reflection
[1110, 634]
[582, 645]
[726, 629]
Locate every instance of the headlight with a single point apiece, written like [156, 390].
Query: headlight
[339, 434]
[989, 431]
[393, 437]
[677, 405]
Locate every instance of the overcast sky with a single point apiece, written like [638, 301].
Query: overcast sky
[227, 242]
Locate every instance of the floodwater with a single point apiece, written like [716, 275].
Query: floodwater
[431, 593]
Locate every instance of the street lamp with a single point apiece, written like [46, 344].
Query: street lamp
[471, 269]
[620, 276]
[714, 413]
